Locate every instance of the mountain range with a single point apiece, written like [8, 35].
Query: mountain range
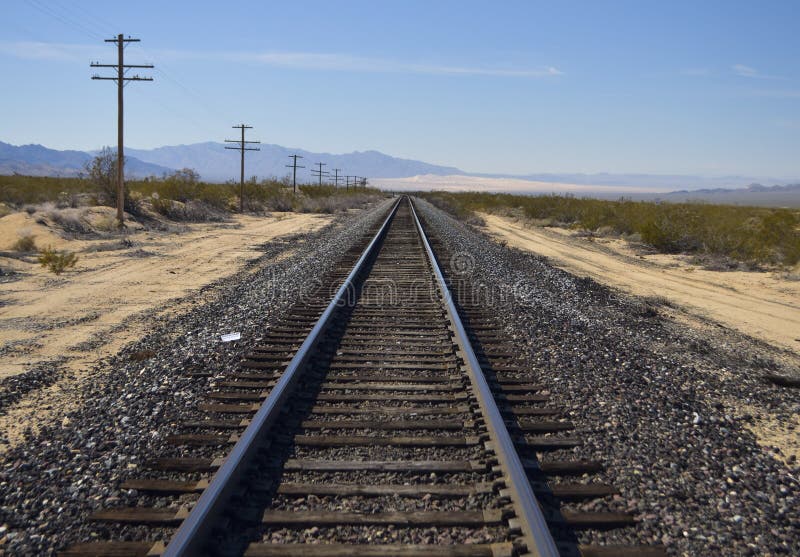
[215, 163]
[36, 160]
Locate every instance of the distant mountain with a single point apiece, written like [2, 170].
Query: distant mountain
[36, 160]
[754, 194]
[215, 163]
[645, 181]
[754, 188]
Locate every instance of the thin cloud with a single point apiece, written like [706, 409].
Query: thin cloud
[344, 62]
[744, 71]
[58, 52]
[751, 73]
[296, 60]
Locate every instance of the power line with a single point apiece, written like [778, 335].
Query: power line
[65, 19]
[92, 19]
[320, 173]
[170, 74]
[336, 177]
[121, 67]
[83, 20]
[242, 147]
[294, 168]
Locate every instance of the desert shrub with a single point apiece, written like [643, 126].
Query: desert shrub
[70, 220]
[18, 191]
[102, 173]
[756, 235]
[57, 261]
[181, 185]
[316, 205]
[311, 190]
[280, 203]
[162, 206]
[194, 211]
[25, 244]
[67, 199]
[184, 185]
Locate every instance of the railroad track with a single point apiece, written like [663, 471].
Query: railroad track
[382, 417]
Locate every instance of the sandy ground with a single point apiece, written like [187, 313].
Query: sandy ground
[86, 314]
[44, 317]
[761, 305]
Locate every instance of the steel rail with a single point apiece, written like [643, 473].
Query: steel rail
[536, 534]
[191, 537]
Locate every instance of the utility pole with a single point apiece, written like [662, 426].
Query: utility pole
[336, 177]
[347, 184]
[294, 168]
[242, 147]
[121, 79]
[320, 172]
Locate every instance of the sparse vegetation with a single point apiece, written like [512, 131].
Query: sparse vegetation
[753, 235]
[70, 220]
[25, 244]
[102, 174]
[178, 196]
[57, 261]
[19, 191]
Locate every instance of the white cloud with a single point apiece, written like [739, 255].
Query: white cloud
[345, 62]
[745, 71]
[298, 60]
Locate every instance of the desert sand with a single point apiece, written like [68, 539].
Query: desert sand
[764, 305]
[88, 313]
[44, 317]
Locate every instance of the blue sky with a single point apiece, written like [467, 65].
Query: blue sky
[699, 87]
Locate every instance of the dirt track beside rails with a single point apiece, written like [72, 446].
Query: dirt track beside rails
[764, 305]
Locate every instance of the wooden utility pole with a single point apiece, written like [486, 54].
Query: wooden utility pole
[242, 147]
[320, 173]
[336, 177]
[121, 66]
[347, 184]
[294, 168]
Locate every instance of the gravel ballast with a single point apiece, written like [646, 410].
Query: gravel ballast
[52, 481]
[650, 400]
